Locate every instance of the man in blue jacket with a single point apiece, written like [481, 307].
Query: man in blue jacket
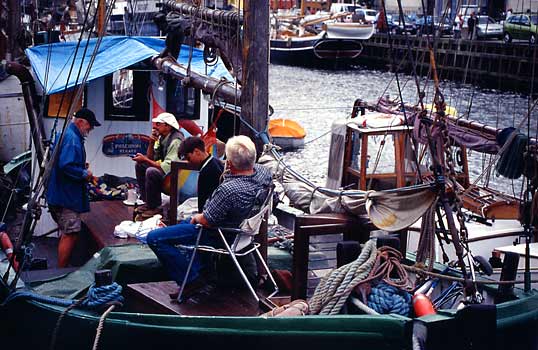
[67, 194]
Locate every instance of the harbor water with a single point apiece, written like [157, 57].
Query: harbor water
[317, 97]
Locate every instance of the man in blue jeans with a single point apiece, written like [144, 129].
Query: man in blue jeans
[228, 206]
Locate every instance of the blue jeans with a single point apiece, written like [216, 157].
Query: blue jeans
[163, 242]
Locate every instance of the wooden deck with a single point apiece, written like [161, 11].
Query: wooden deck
[154, 297]
[207, 300]
[103, 218]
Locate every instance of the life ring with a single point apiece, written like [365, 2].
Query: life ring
[7, 247]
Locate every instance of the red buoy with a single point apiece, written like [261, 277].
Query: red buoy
[422, 305]
[7, 247]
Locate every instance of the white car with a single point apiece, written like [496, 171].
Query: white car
[486, 27]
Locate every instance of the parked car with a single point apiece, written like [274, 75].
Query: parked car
[521, 26]
[429, 25]
[487, 27]
[396, 24]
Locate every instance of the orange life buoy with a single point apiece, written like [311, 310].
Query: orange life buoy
[7, 247]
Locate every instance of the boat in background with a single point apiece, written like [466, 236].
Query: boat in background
[287, 134]
[316, 39]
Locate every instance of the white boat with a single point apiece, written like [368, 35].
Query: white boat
[344, 30]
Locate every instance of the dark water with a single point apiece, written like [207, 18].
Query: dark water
[316, 97]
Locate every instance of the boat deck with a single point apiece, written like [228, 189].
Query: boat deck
[207, 300]
[103, 218]
[153, 297]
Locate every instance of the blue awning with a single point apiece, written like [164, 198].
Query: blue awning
[115, 52]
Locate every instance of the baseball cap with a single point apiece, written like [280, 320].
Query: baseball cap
[85, 113]
[167, 118]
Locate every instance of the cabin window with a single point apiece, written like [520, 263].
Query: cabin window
[183, 102]
[58, 104]
[126, 95]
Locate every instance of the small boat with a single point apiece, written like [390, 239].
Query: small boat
[286, 133]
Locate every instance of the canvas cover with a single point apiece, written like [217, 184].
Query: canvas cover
[113, 53]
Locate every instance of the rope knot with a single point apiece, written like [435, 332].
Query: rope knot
[104, 295]
[387, 299]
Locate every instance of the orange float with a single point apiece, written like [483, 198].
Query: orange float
[422, 305]
[286, 133]
[7, 247]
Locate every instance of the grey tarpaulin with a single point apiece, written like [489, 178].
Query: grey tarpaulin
[399, 209]
[390, 210]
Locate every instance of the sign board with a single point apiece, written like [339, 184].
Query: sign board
[117, 145]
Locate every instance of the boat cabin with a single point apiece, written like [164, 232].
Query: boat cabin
[381, 158]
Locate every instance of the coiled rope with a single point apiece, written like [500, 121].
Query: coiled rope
[334, 289]
[387, 299]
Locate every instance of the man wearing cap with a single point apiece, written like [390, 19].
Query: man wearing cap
[153, 167]
[67, 194]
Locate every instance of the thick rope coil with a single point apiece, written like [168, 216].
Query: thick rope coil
[99, 296]
[334, 289]
[387, 299]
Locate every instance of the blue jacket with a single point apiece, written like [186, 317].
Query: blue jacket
[67, 184]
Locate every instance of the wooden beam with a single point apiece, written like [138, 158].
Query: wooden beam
[216, 17]
[226, 92]
[255, 92]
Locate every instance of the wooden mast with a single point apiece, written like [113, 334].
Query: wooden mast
[101, 17]
[255, 87]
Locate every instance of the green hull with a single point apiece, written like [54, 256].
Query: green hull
[29, 324]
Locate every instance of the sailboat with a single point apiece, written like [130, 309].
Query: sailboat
[316, 38]
[59, 323]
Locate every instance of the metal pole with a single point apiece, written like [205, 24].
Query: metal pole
[28, 89]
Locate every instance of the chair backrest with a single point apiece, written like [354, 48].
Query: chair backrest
[263, 204]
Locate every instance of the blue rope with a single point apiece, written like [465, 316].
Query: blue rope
[96, 297]
[387, 299]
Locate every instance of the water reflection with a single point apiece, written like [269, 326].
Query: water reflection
[316, 97]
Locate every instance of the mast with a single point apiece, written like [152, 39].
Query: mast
[255, 91]
[101, 17]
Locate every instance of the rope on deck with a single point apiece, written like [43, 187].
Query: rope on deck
[334, 289]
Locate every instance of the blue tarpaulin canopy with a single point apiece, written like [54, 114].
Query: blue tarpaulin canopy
[115, 52]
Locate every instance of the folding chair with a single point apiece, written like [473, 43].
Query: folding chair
[243, 243]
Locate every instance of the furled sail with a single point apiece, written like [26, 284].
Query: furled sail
[390, 210]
